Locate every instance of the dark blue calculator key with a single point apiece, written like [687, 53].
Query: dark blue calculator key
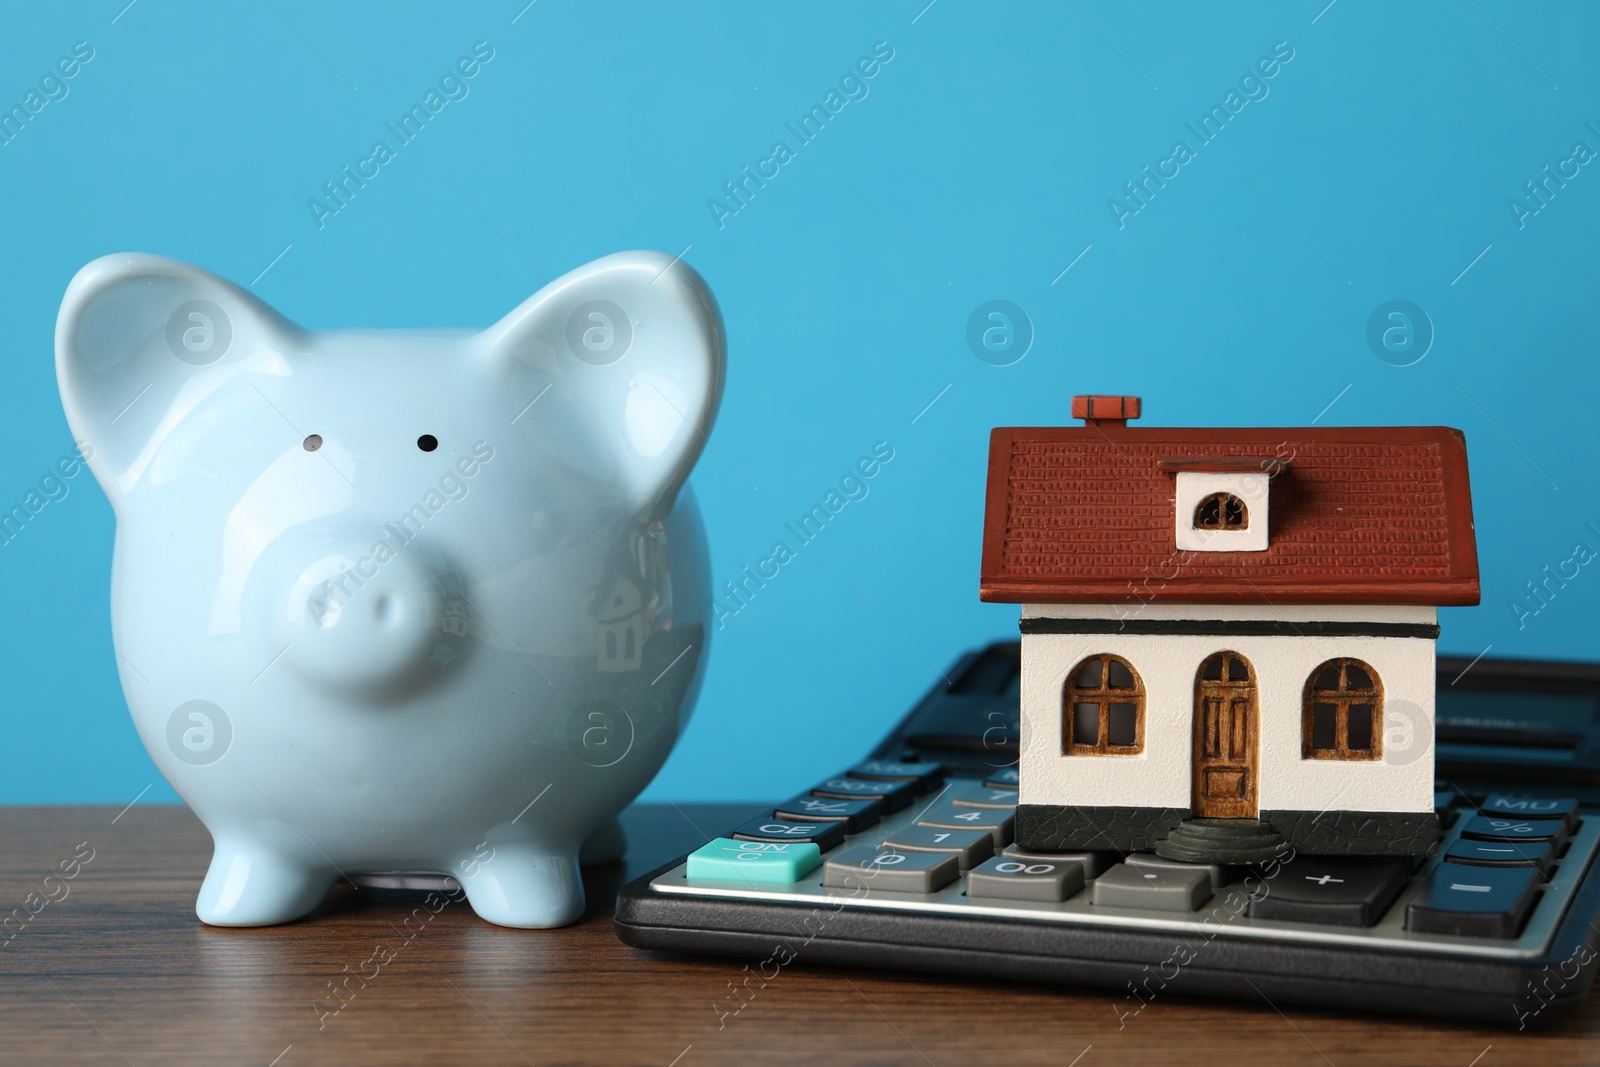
[1498, 828]
[890, 796]
[1464, 901]
[1503, 805]
[854, 815]
[824, 835]
[924, 777]
[1005, 778]
[1536, 854]
[1333, 890]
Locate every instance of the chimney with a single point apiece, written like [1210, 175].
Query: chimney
[1105, 410]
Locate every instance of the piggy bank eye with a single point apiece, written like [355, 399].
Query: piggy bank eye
[312, 442]
[427, 442]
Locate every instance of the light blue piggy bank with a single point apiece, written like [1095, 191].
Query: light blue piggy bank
[401, 601]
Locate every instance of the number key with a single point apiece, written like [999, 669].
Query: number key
[969, 846]
[949, 817]
[1004, 878]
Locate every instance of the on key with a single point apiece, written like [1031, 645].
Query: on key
[1335, 890]
[890, 796]
[1473, 901]
[1495, 828]
[853, 815]
[824, 835]
[924, 777]
[1536, 854]
[1504, 806]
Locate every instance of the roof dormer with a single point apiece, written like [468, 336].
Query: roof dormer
[1220, 502]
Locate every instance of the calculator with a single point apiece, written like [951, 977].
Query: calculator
[905, 860]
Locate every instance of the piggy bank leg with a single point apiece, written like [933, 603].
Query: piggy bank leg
[251, 885]
[524, 885]
[605, 845]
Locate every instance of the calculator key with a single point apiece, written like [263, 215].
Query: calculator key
[1215, 871]
[1493, 828]
[853, 815]
[981, 796]
[1333, 890]
[924, 777]
[1504, 806]
[970, 847]
[1152, 888]
[1537, 854]
[1091, 862]
[1473, 901]
[890, 796]
[824, 835]
[948, 817]
[1044, 881]
[1007, 778]
[767, 862]
[882, 868]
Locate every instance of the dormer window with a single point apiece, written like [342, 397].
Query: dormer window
[1221, 511]
[1219, 503]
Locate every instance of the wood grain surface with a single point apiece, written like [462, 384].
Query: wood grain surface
[113, 968]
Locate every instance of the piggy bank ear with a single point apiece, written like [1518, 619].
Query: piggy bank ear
[630, 349]
[139, 340]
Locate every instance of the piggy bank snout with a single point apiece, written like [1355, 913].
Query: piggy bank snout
[348, 618]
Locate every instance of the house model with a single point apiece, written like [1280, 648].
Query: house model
[1227, 634]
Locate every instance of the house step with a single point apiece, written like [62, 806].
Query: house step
[1221, 841]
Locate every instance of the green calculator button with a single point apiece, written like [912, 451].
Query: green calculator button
[771, 862]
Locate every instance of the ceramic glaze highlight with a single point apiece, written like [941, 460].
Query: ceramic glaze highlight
[401, 600]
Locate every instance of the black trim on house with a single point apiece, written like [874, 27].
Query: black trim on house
[1226, 628]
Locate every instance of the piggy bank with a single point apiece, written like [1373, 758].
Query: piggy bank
[401, 600]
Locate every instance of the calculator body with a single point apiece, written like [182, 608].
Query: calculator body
[1521, 736]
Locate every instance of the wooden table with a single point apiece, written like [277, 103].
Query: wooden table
[117, 970]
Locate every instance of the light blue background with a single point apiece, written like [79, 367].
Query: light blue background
[978, 167]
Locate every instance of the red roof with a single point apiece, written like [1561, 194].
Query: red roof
[1084, 514]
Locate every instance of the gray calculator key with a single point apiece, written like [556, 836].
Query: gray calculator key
[1005, 778]
[968, 795]
[1091, 862]
[970, 847]
[1152, 888]
[1044, 881]
[1217, 872]
[949, 817]
[885, 869]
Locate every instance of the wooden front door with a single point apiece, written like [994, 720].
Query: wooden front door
[1225, 739]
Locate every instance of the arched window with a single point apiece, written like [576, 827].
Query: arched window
[1102, 709]
[1343, 717]
[1221, 511]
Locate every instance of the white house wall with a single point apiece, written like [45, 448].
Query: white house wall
[1160, 777]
